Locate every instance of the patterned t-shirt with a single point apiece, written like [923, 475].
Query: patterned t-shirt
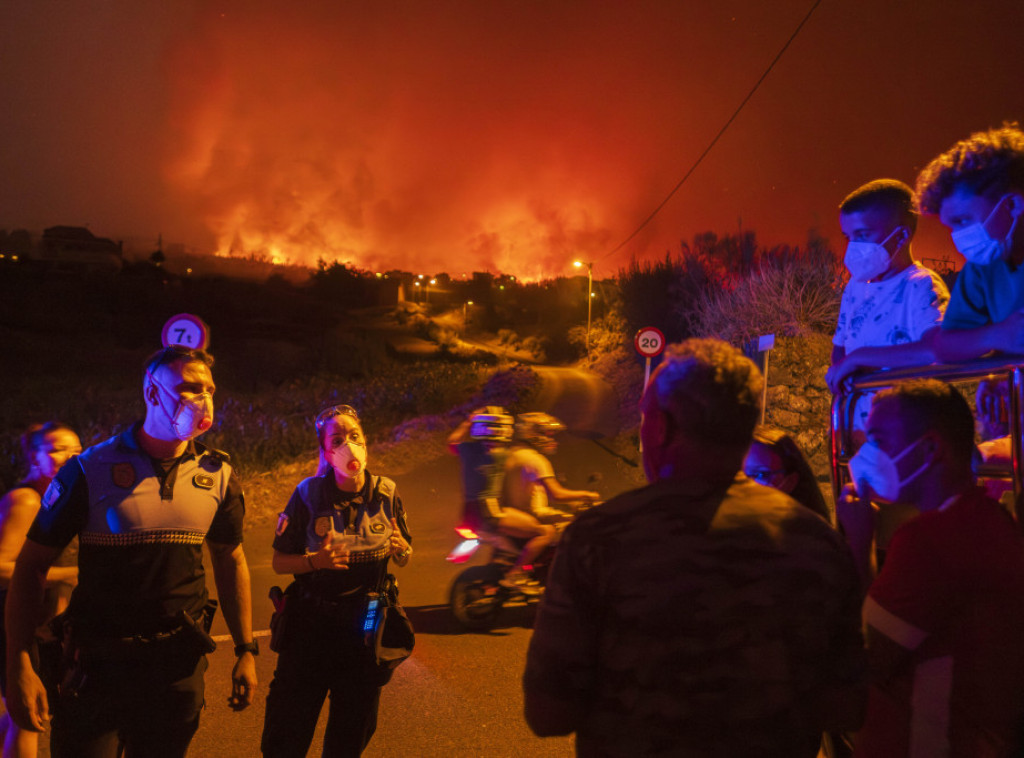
[698, 619]
[895, 311]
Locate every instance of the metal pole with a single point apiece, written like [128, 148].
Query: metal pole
[590, 299]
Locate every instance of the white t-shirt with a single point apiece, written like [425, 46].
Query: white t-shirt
[524, 468]
[895, 311]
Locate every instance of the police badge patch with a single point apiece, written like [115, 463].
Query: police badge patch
[53, 493]
[203, 480]
[322, 526]
[123, 475]
[282, 524]
[377, 528]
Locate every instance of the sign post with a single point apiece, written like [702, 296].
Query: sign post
[650, 343]
[758, 350]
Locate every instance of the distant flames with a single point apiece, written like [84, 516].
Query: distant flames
[343, 150]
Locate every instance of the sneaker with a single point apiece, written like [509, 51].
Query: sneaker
[518, 580]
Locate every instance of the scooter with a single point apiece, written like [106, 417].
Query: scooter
[477, 595]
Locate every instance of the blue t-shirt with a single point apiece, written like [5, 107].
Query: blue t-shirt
[984, 295]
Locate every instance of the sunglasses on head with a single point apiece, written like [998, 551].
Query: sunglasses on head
[335, 410]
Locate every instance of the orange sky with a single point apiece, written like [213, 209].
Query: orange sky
[460, 136]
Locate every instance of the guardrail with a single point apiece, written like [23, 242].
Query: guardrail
[1009, 367]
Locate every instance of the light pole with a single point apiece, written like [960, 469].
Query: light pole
[590, 294]
[465, 306]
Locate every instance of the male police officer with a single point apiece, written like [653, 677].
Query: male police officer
[142, 503]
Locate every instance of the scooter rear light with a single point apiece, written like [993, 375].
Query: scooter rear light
[463, 551]
[466, 533]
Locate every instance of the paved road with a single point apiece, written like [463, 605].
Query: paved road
[459, 695]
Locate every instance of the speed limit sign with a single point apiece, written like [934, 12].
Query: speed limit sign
[649, 342]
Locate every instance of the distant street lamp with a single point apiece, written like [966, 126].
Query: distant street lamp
[590, 293]
[465, 305]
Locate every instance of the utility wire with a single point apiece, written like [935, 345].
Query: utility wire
[718, 136]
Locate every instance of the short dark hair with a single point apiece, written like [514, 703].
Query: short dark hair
[890, 194]
[710, 390]
[931, 405]
[35, 436]
[168, 355]
[988, 162]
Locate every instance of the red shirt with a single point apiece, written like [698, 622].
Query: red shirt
[951, 595]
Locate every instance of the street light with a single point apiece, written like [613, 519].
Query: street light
[590, 293]
[465, 305]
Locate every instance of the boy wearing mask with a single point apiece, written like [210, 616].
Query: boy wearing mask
[891, 302]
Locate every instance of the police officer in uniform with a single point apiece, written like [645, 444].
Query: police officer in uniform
[142, 503]
[336, 536]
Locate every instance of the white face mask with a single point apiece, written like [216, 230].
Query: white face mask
[976, 245]
[873, 466]
[867, 260]
[348, 459]
[191, 417]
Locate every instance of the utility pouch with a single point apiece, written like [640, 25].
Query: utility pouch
[278, 619]
[194, 632]
[208, 613]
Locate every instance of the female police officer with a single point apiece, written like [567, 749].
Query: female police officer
[336, 535]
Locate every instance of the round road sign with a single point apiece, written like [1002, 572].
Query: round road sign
[186, 330]
[649, 342]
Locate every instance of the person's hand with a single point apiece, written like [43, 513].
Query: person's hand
[26, 697]
[590, 498]
[398, 545]
[243, 682]
[333, 554]
[857, 516]
[838, 373]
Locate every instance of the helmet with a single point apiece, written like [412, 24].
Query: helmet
[537, 428]
[490, 423]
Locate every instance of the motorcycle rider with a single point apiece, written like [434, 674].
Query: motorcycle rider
[529, 485]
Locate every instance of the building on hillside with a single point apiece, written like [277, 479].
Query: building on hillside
[75, 247]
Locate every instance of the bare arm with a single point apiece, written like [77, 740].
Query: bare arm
[19, 508]
[457, 437]
[231, 574]
[560, 494]
[920, 353]
[26, 696]
[960, 345]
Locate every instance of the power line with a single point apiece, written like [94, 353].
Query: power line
[718, 136]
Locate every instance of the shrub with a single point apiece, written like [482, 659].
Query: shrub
[788, 295]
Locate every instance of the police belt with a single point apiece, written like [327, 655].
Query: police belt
[188, 631]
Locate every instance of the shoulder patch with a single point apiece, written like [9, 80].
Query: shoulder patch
[53, 493]
[282, 524]
[219, 455]
[123, 475]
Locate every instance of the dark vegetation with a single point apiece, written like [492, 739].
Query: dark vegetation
[74, 339]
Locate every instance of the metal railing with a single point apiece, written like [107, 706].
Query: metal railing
[1009, 367]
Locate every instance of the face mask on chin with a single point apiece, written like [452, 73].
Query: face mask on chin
[875, 468]
[191, 417]
[348, 459]
[977, 246]
[868, 260]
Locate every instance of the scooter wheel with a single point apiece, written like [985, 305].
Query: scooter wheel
[476, 597]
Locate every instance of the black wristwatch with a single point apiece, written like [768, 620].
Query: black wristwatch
[247, 647]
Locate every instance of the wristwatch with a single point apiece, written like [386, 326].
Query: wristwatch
[247, 647]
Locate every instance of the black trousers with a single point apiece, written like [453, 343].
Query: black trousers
[149, 700]
[323, 655]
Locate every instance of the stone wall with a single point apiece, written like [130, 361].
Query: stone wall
[798, 400]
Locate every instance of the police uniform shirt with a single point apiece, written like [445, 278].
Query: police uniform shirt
[141, 524]
[361, 519]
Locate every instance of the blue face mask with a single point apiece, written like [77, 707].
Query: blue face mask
[976, 245]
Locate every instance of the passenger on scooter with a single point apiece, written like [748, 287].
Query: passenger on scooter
[530, 485]
[481, 443]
